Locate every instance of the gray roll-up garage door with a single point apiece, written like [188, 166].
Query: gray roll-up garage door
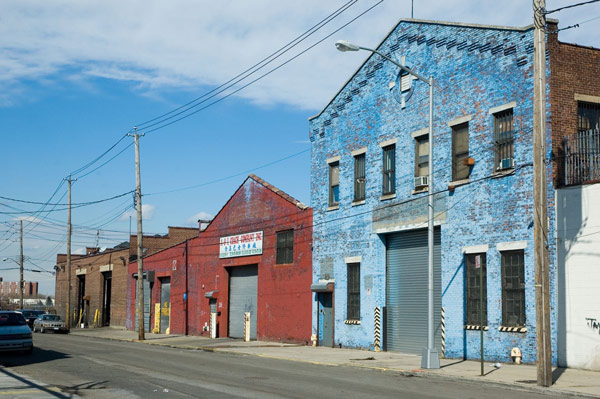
[406, 291]
[243, 292]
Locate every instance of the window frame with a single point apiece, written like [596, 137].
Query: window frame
[423, 139]
[509, 315]
[284, 244]
[360, 173]
[472, 289]
[459, 158]
[504, 138]
[353, 291]
[388, 174]
[585, 122]
[333, 201]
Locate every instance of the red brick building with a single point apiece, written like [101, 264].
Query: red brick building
[254, 257]
[99, 279]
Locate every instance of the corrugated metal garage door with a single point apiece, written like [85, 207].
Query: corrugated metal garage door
[406, 291]
[243, 292]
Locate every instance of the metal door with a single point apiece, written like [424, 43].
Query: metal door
[106, 298]
[243, 292]
[406, 291]
[165, 303]
[147, 298]
[325, 319]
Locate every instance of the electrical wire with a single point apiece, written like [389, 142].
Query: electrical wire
[571, 6]
[162, 126]
[253, 69]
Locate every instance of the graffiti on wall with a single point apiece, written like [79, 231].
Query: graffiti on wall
[594, 324]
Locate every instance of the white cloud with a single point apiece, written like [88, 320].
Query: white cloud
[147, 213]
[79, 251]
[187, 44]
[193, 221]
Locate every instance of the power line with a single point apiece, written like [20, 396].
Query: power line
[74, 204]
[253, 69]
[571, 6]
[161, 126]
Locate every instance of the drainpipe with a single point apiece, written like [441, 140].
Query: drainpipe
[186, 287]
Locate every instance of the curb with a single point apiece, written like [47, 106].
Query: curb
[513, 386]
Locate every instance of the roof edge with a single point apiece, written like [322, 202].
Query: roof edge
[279, 192]
[421, 21]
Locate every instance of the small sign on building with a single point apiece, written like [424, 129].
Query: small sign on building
[241, 245]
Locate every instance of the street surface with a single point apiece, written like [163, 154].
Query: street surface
[97, 368]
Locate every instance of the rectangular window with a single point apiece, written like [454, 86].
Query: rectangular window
[353, 291]
[460, 152]
[421, 161]
[513, 288]
[389, 169]
[334, 183]
[359, 177]
[588, 116]
[285, 247]
[504, 140]
[476, 269]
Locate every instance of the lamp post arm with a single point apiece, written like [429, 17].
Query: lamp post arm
[405, 69]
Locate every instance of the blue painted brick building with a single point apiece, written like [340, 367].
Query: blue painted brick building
[369, 195]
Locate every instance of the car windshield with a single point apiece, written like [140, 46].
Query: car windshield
[51, 317]
[12, 319]
[32, 313]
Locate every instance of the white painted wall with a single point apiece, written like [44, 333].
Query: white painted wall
[578, 260]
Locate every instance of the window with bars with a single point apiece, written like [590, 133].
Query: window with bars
[588, 116]
[513, 288]
[285, 247]
[389, 169]
[474, 292]
[334, 183]
[353, 301]
[359, 177]
[460, 152]
[504, 140]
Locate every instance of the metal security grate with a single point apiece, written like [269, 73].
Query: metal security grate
[582, 157]
[353, 312]
[504, 140]
[513, 288]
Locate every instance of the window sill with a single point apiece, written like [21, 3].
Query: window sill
[513, 329]
[387, 197]
[360, 202]
[284, 264]
[333, 208]
[475, 327]
[458, 183]
[420, 190]
[353, 322]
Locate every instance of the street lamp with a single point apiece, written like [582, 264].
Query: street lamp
[430, 358]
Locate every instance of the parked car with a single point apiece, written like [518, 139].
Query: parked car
[15, 334]
[49, 322]
[31, 315]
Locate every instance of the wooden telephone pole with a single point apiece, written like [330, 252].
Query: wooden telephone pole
[540, 200]
[68, 307]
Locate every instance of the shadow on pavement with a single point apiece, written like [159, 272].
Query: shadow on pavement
[556, 373]
[80, 389]
[30, 384]
[38, 356]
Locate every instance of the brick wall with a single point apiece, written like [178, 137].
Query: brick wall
[573, 70]
[475, 69]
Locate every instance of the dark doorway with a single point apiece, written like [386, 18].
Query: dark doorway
[106, 298]
[80, 317]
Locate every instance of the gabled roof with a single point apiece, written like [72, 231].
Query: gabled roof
[277, 191]
[266, 185]
[422, 21]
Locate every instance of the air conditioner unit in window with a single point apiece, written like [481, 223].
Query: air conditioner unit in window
[506, 163]
[421, 181]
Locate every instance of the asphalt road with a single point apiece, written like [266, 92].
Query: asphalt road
[96, 368]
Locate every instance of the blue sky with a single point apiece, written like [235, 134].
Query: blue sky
[76, 76]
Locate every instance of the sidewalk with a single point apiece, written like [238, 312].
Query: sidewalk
[568, 382]
[16, 386]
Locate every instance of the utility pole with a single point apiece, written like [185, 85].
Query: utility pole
[540, 200]
[21, 281]
[68, 307]
[138, 198]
